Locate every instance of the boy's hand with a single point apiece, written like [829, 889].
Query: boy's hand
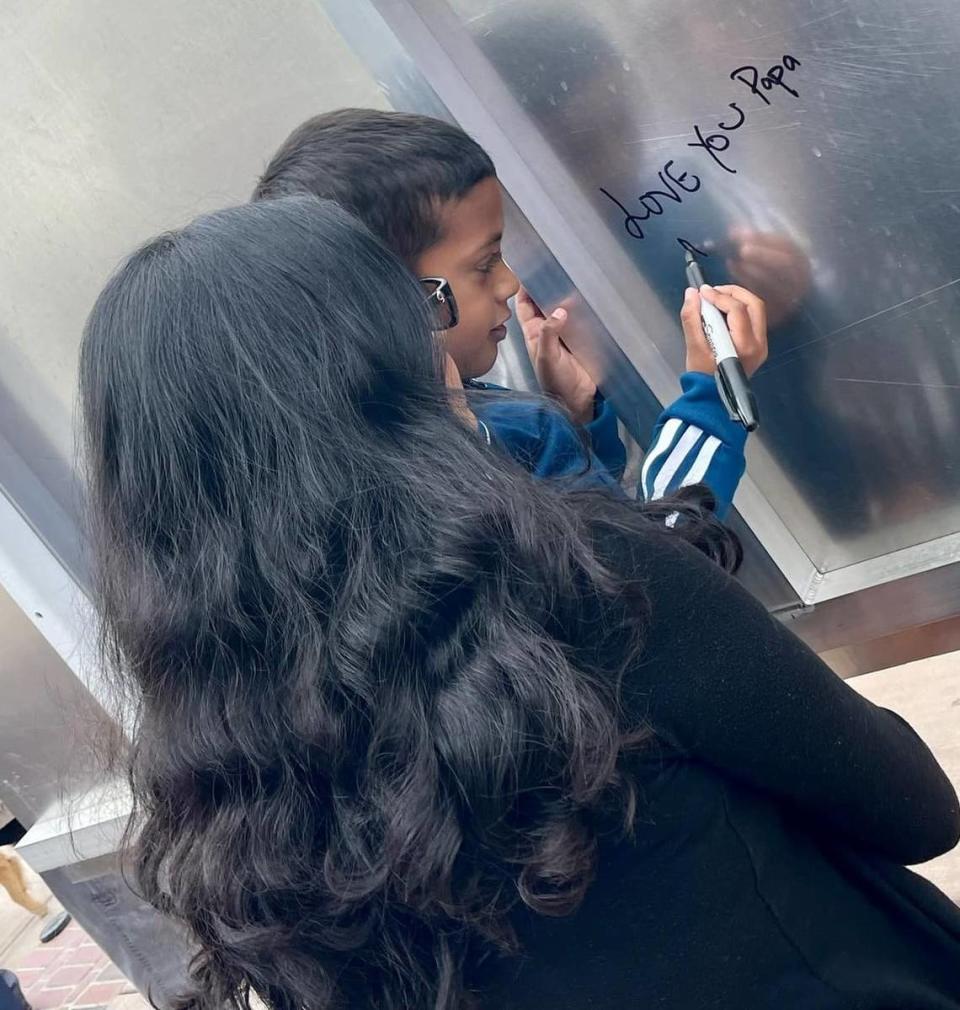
[746, 320]
[558, 371]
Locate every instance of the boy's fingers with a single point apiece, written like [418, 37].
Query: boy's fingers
[532, 330]
[747, 320]
[699, 355]
[527, 308]
[739, 293]
[543, 340]
[756, 307]
[690, 310]
[723, 300]
[690, 318]
[731, 307]
[550, 331]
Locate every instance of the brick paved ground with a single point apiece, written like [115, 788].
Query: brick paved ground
[68, 973]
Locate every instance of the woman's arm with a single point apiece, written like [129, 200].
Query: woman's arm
[729, 685]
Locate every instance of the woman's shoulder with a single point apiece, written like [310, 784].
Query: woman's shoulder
[645, 548]
[691, 602]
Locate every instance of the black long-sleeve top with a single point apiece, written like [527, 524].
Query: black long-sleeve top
[778, 810]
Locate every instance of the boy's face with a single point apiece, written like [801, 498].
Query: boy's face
[468, 256]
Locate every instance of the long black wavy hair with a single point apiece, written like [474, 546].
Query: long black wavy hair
[366, 722]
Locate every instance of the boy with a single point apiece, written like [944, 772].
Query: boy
[431, 193]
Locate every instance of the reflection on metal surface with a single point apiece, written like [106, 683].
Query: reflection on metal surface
[808, 148]
[121, 120]
[118, 120]
[47, 719]
[150, 950]
[561, 244]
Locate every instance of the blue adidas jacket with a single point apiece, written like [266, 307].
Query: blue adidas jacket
[694, 441]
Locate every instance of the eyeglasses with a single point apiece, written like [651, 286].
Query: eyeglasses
[441, 301]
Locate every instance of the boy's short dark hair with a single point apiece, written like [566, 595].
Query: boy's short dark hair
[392, 170]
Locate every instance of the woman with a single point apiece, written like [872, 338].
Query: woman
[415, 731]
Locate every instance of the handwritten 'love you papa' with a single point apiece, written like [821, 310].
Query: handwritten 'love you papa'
[676, 186]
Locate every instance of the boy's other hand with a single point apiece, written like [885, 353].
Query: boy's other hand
[746, 320]
[558, 371]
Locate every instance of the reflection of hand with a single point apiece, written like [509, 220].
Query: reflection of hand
[773, 266]
[558, 371]
[746, 321]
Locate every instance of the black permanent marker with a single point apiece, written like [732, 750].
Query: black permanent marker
[732, 381]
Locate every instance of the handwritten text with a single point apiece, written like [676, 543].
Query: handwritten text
[674, 186]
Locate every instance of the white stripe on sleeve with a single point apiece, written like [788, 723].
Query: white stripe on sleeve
[674, 461]
[667, 434]
[701, 464]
